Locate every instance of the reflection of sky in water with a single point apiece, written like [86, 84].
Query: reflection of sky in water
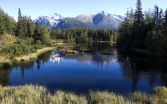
[82, 72]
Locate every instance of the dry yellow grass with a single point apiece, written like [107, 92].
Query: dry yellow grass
[33, 56]
[106, 98]
[25, 58]
[8, 38]
[30, 94]
[4, 59]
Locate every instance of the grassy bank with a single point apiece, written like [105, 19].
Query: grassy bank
[32, 56]
[7, 62]
[30, 94]
[6, 57]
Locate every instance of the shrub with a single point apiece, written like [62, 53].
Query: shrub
[30, 94]
[105, 98]
[140, 98]
[67, 98]
[161, 95]
[19, 47]
[23, 95]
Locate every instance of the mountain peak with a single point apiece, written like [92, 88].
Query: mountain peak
[56, 16]
[102, 19]
[103, 12]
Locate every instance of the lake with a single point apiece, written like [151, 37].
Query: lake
[85, 71]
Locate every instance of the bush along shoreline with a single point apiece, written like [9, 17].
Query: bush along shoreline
[7, 62]
[30, 94]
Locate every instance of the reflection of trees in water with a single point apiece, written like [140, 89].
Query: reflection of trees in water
[5, 72]
[93, 58]
[164, 79]
[43, 58]
[136, 67]
[24, 66]
[4, 76]
[102, 47]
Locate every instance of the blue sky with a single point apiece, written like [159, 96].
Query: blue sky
[69, 8]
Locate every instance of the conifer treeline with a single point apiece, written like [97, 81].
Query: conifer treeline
[144, 30]
[7, 24]
[24, 28]
[84, 35]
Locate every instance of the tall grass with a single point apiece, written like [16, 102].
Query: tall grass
[31, 94]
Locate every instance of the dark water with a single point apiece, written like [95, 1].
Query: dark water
[88, 71]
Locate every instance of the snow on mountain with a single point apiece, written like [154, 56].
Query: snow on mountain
[86, 18]
[99, 20]
[104, 13]
[55, 19]
[49, 22]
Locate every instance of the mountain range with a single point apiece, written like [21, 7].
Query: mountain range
[99, 20]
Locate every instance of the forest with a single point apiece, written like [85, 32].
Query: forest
[25, 36]
[144, 32]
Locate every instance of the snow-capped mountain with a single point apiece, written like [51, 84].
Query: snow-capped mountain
[49, 22]
[85, 18]
[99, 20]
[106, 20]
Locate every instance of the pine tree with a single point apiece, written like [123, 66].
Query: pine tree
[149, 20]
[2, 29]
[19, 14]
[30, 28]
[158, 18]
[20, 25]
[165, 19]
[138, 16]
[45, 35]
[25, 29]
[165, 22]
[9, 25]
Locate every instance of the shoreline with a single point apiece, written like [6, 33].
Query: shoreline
[24, 58]
[32, 56]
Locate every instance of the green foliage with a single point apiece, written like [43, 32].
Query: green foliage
[161, 95]
[42, 35]
[145, 32]
[138, 16]
[84, 35]
[19, 47]
[26, 28]
[6, 23]
[45, 35]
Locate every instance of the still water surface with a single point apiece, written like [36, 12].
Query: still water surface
[83, 72]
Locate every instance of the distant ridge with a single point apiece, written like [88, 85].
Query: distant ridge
[99, 20]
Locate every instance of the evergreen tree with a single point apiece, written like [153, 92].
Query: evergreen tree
[20, 25]
[2, 30]
[158, 17]
[37, 33]
[19, 14]
[30, 28]
[25, 28]
[138, 16]
[9, 25]
[45, 35]
[149, 21]
[165, 19]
